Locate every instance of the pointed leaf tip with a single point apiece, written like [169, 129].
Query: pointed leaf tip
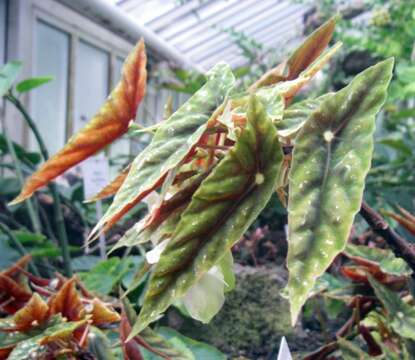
[331, 158]
[107, 125]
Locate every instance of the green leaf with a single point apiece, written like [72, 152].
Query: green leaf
[273, 101]
[171, 143]
[198, 350]
[221, 210]
[9, 186]
[29, 238]
[174, 349]
[226, 266]
[106, 274]
[23, 155]
[296, 115]
[8, 74]
[351, 351]
[25, 349]
[400, 314]
[32, 83]
[397, 144]
[331, 158]
[205, 298]
[385, 259]
[8, 254]
[99, 345]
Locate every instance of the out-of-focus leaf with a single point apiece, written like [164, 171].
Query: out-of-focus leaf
[331, 285]
[8, 74]
[108, 124]
[400, 314]
[331, 158]
[351, 351]
[221, 210]
[103, 314]
[9, 186]
[385, 259]
[172, 142]
[64, 330]
[99, 345]
[161, 344]
[35, 312]
[407, 220]
[8, 254]
[150, 338]
[21, 153]
[85, 262]
[130, 349]
[112, 187]
[397, 144]
[296, 115]
[105, 275]
[200, 350]
[302, 57]
[67, 302]
[29, 238]
[32, 83]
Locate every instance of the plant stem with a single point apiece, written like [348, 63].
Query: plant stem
[399, 245]
[57, 209]
[19, 247]
[34, 219]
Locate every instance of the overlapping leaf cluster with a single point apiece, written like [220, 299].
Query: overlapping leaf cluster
[373, 283]
[212, 166]
[47, 317]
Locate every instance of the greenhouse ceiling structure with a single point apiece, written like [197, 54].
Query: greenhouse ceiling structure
[199, 29]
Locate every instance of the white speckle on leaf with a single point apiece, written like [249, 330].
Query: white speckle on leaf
[328, 136]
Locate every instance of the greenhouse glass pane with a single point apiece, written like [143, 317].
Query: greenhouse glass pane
[2, 31]
[50, 100]
[91, 83]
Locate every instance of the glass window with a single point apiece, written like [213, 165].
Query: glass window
[91, 83]
[3, 13]
[50, 100]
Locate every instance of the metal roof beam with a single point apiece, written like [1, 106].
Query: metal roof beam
[161, 22]
[201, 24]
[239, 23]
[280, 20]
[211, 49]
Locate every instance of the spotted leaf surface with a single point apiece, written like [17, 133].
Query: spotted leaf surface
[400, 314]
[221, 210]
[107, 125]
[331, 158]
[171, 143]
[295, 116]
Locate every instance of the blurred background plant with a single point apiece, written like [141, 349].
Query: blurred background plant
[371, 30]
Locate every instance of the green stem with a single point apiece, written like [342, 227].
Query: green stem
[34, 219]
[57, 209]
[19, 247]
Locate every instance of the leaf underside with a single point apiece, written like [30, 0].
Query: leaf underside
[171, 143]
[108, 124]
[331, 158]
[221, 210]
